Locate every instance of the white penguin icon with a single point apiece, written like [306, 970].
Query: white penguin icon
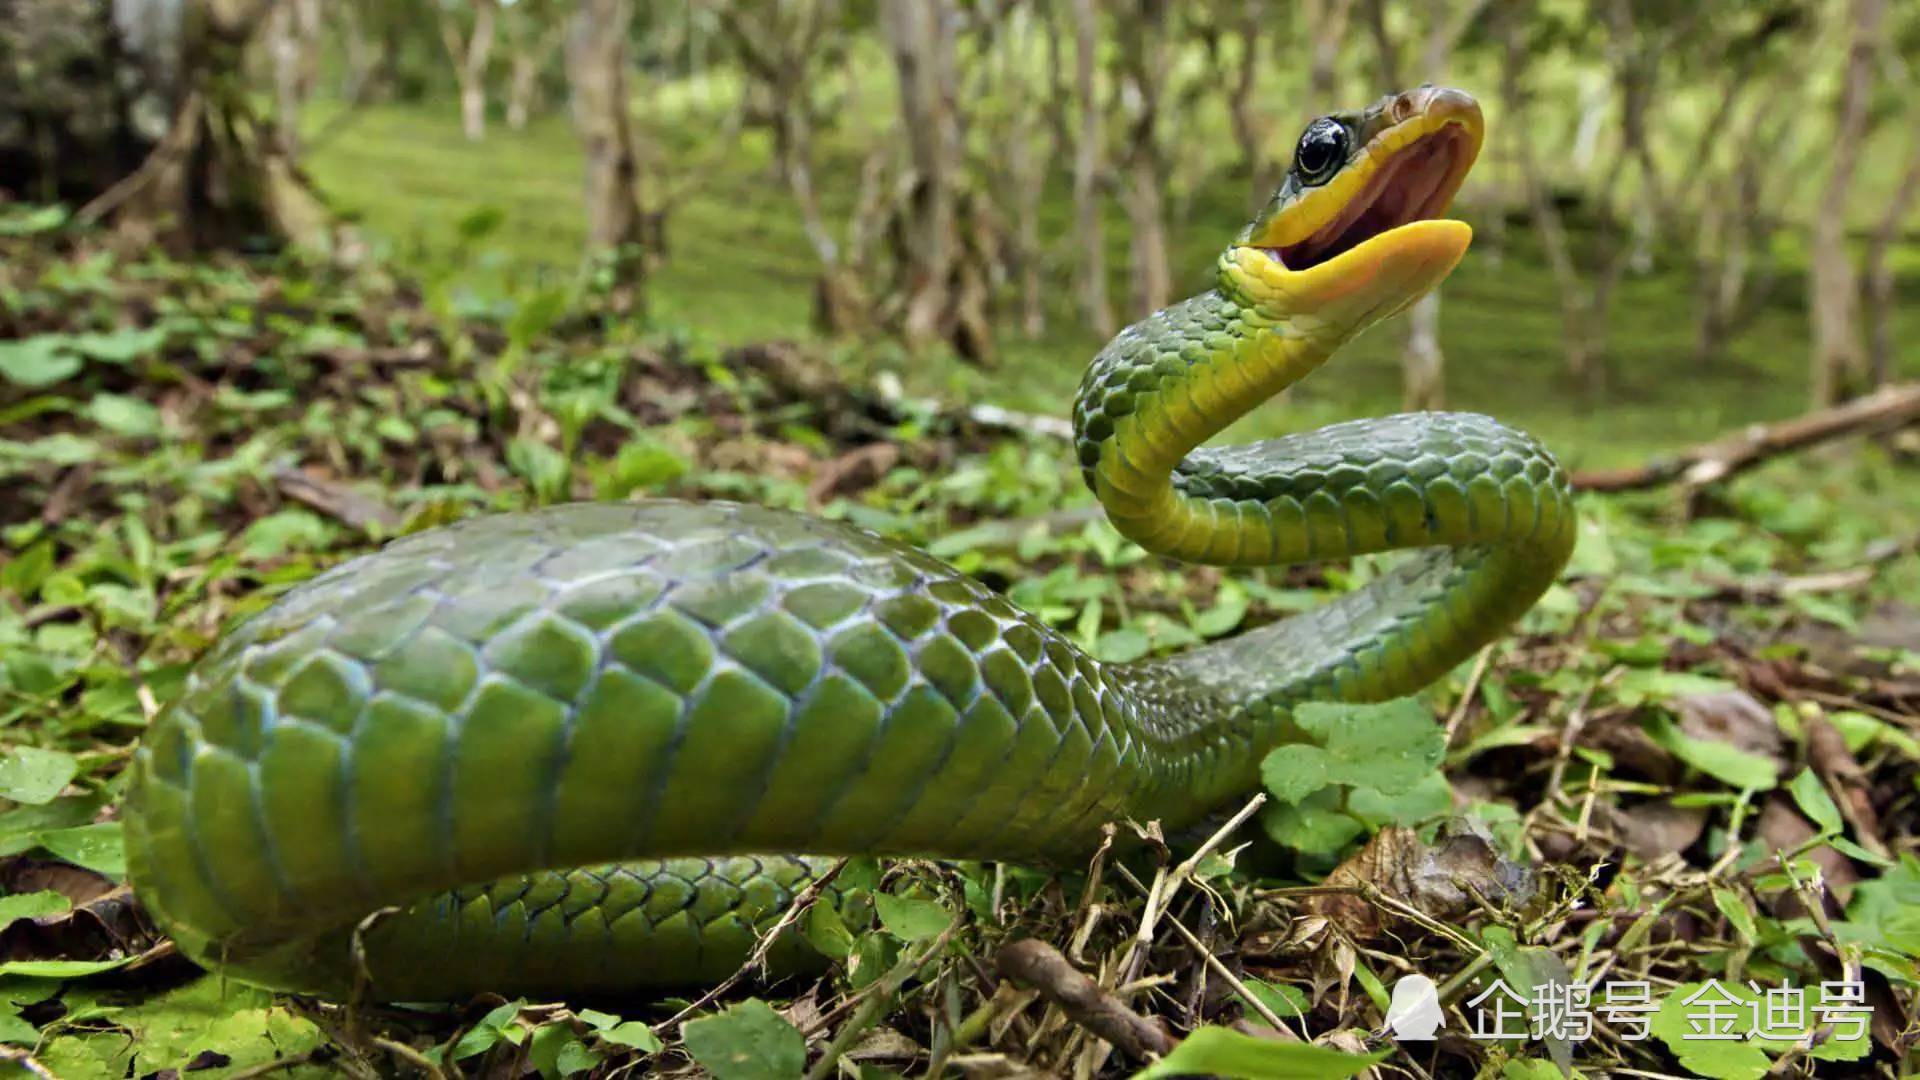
[1414, 1015]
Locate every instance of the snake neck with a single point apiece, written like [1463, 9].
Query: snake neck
[1488, 508]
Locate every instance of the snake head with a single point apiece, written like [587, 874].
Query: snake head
[1354, 230]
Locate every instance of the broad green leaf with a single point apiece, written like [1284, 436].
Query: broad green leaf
[1728, 764]
[498, 1026]
[32, 905]
[620, 1032]
[1735, 909]
[557, 1051]
[38, 361]
[14, 1029]
[97, 847]
[124, 415]
[118, 346]
[1813, 800]
[29, 774]
[24, 572]
[747, 1042]
[827, 931]
[1524, 967]
[909, 919]
[60, 969]
[1292, 773]
[1317, 826]
[1389, 747]
[1284, 1000]
[1218, 1051]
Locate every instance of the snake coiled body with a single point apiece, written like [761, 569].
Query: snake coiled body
[484, 726]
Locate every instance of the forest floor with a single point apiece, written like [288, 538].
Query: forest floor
[1616, 780]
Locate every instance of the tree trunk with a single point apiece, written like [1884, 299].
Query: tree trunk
[1261, 169]
[212, 173]
[920, 34]
[1879, 269]
[533, 48]
[781, 59]
[597, 63]
[470, 52]
[1143, 73]
[1423, 365]
[1088, 153]
[1837, 358]
[293, 40]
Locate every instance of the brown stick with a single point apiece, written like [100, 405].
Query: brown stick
[1039, 965]
[337, 501]
[1883, 410]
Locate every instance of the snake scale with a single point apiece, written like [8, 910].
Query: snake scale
[484, 726]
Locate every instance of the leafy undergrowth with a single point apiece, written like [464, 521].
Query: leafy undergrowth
[1692, 766]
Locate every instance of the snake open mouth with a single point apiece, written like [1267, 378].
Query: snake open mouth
[1414, 152]
[1414, 183]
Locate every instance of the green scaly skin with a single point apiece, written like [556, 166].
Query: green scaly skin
[481, 725]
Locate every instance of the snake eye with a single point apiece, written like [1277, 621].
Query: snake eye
[1322, 149]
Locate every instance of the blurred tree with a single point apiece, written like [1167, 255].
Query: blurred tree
[293, 43]
[1423, 364]
[920, 37]
[1010, 101]
[781, 50]
[1241, 23]
[1144, 62]
[533, 31]
[1839, 363]
[1089, 163]
[467, 32]
[598, 63]
[140, 108]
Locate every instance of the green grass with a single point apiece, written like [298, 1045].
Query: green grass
[738, 269]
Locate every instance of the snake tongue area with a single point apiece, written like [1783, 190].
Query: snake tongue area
[1412, 185]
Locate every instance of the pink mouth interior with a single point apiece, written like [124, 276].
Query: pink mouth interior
[1415, 185]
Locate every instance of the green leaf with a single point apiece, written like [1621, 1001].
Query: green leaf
[556, 1051]
[1284, 1000]
[118, 346]
[34, 776]
[38, 361]
[1524, 967]
[1735, 909]
[1228, 610]
[827, 931]
[1389, 747]
[1728, 764]
[98, 847]
[24, 572]
[1292, 773]
[14, 1029]
[747, 1042]
[611, 1028]
[60, 969]
[32, 905]
[635, 1034]
[1812, 797]
[496, 1027]
[909, 919]
[544, 469]
[1219, 1051]
[1317, 826]
[124, 415]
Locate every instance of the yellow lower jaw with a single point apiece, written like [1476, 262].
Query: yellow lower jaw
[1356, 287]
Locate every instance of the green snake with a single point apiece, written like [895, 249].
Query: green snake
[480, 728]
